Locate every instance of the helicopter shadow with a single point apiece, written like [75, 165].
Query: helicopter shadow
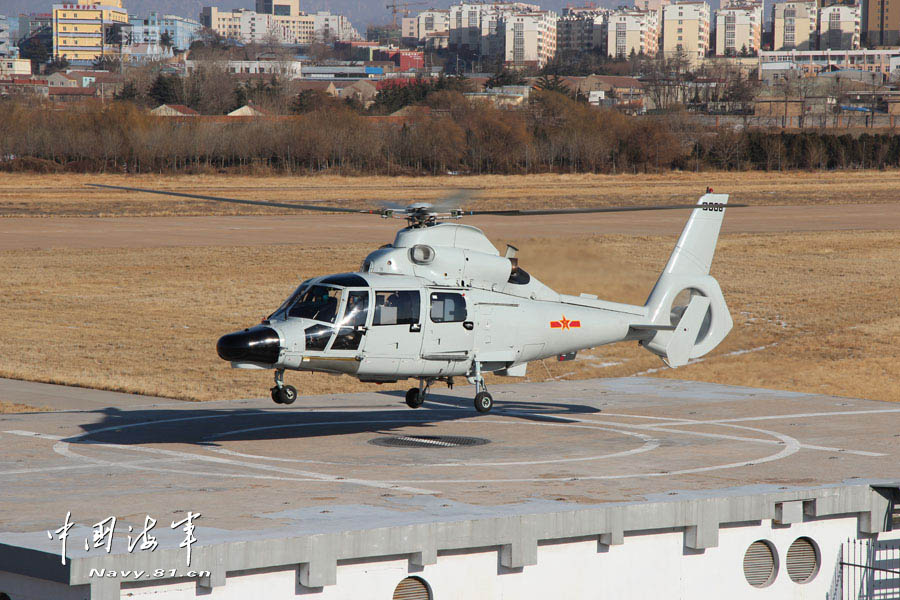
[213, 426]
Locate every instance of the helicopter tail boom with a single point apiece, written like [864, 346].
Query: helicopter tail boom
[686, 309]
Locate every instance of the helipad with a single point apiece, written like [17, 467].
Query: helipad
[363, 463]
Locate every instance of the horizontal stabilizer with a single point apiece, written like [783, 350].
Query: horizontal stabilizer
[678, 350]
[652, 327]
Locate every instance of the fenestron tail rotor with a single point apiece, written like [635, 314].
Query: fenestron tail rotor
[418, 214]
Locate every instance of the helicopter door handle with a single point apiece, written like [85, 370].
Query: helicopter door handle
[469, 325]
[415, 327]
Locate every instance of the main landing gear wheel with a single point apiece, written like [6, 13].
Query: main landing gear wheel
[288, 394]
[414, 398]
[483, 402]
[284, 395]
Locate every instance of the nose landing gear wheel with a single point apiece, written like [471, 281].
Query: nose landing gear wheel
[276, 394]
[483, 402]
[414, 398]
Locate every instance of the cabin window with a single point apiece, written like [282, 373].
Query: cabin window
[396, 308]
[352, 323]
[447, 308]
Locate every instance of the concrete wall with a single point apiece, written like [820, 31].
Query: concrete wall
[652, 564]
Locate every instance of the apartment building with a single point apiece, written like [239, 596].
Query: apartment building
[328, 28]
[472, 21]
[581, 29]
[32, 23]
[881, 22]
[839, 27]
[85, 32]
[425, 25]
[738, 29]
[181, 31]
[652, 5]
[530, 39]
[686, 30]
[5, 47]
[795, 25]
[241, 24]
[632, 30]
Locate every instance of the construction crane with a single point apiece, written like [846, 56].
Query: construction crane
[398, 7]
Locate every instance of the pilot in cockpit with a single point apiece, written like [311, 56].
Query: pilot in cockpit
[327, 308]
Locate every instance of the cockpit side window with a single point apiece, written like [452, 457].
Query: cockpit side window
[352, 323]
[318, 303]
[397, 307]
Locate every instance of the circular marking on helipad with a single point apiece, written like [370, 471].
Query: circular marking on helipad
[650, 443]
[791, 446]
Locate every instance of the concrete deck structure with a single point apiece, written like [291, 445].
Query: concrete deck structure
[571, 479]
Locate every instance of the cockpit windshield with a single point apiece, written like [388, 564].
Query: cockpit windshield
[317, 302]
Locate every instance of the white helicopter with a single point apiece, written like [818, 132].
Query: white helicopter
[441, 302]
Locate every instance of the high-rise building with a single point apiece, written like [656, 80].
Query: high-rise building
[581, 29]
[247, 26]
[686, 30]
[839, 27]
[633, 31]
[33, 23]
[530, 39]
[181, 31]
[426, 24]
[881, 22]
[477, 26]
[333, 28]
[85, 32]
[5, 48]
[794, 25]
[738, 29]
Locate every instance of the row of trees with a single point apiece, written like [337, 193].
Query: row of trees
[553, 133]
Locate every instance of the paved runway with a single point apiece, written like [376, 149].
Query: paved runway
[246, 464]
[318, 229]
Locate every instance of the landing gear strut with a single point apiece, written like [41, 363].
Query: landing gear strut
[484, 402]
[283, 394]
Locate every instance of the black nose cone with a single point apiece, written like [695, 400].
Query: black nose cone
[259, 344]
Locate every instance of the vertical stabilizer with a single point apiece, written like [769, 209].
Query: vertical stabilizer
[686, 301]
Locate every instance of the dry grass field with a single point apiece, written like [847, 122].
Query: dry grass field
[68, 195]
[813, 312]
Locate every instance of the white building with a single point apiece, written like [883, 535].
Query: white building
[333, 28]
[426, 24]
[241, 24]
[581, 29]
[14, 66]
[795, 25]
[530, 39]
[632, 30]
[839, 27]
[686, 30]
[5, 49]
[738, 28]
[472, 21]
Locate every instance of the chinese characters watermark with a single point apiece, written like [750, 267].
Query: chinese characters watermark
[102, 534]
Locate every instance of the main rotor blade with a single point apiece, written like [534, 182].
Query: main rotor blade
[238, 201]
[575, 211]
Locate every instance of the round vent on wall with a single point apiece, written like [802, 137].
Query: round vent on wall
[760, 564]
[412, 588]
[802, 560]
